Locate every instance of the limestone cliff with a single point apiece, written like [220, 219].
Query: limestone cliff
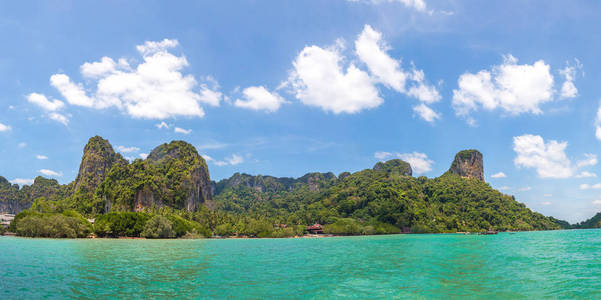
[98, 158]
[394, 166]
[14, 199]
[469, 164]
[314, 181]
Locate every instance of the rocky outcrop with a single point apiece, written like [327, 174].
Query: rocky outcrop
[14, 199]
[468, 164]
[98, 158]
[394, 166]
[184, 175]
[313, 181]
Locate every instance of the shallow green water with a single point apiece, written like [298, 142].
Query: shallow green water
[555, 264]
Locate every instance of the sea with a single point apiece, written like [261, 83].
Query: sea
[562, 264]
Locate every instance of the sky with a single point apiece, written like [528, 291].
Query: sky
[284, 88]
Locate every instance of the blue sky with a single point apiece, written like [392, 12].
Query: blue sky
[289, 87]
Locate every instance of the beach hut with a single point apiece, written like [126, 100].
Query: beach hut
[315, 229]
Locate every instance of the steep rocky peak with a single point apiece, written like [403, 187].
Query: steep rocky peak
[178, 150]
[395, 166]
[468, 163]
[98, 158]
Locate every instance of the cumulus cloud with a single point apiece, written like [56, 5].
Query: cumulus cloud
[181, 130]
[373, 51]
[426, 113]
[597, 202]
[524, 189]
[154, 89]
[4, 127]
[43, 102]
[322, 77]
[548, 158]
[59, 118]
[498, 175]
[586, 186]
[420, 163]
[22, 181]
[143, 155]
[568, 89]
[125, 149]
[514, 88]
[232, 160]
[41, 157]
[50, 173]
[585, 174]
[546, 203]
[259, 98]
[590, 160]
[22, 145]
[319, 79]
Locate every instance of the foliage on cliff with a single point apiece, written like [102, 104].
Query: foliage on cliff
[593, 222]
[173, 175]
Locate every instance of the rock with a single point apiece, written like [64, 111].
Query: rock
[468, 164]
[394, 166]
[191, 178]
[98, 158]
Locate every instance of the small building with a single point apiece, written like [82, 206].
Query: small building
[5, 219]
[315, 229]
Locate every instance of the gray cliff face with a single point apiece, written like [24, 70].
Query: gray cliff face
[468, 164]
[98, 158]
[14, 199]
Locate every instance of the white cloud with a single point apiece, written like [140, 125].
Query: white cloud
[318, 79]
[546, 203]
[43, 102]
[73, 93]
[207, 158]
[598, 123]
[549, 159]
[585, 174]
[143, 155]
[105, 66]
[498, 175]
[426, 113]
[419, 5]
[41, 157]
[591, 160]
[51, 173]
[419, 161]
[4, 127]
[181, 130]
[597, 202]
[232, 160]
[22, 181]
[59, 118]
[514, 88]
[22, 145]
[568, 89]
[259, 98]
[154, 89]
[127, 149]
[585, 186]
[372, 50]
[504, 188]
[162, 125]
[524, 189]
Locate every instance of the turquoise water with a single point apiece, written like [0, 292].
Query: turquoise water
[555, 264]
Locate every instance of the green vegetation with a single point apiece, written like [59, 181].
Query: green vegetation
[68, 224]
[170, 190]
[594, 222]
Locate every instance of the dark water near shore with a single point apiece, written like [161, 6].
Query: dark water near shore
[555, 264]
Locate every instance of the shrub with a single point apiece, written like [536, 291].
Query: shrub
[158, 227]
[52, 225]
[117, 224]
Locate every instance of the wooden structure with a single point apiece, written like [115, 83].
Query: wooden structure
[315, 229]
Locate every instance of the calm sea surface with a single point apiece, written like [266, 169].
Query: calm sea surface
[552, 264]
